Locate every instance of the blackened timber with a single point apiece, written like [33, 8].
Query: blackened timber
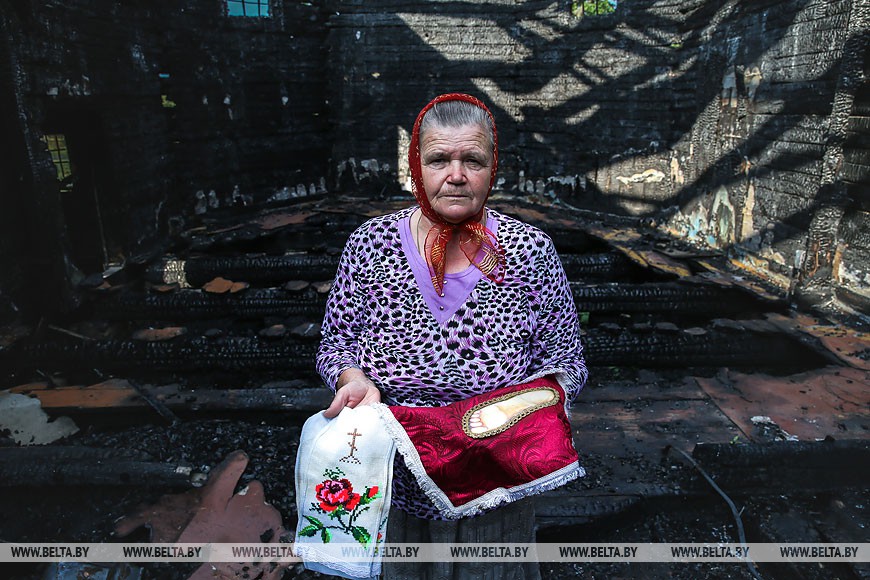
[117, 395]
[792, 466]
[665, 297]
[277, 269]
[603, 266]
[825, 454]
[198, 305]
[678, 348]
[182, 354]
[650, 347]
[651, 298]
[254, 269]
[62, 465]
[553, 509]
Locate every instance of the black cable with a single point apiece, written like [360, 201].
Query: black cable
[740, 533]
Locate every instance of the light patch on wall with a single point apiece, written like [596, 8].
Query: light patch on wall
[752, 78]
[403, 143]
[667, 75]
[620, 63]
[729, 89]
[747, 228]
[454, 37]
[557, 91]
[648, 176]
[693, 223]
[722, 213]
[582, 116]
[677, 172]
[853, 278]
[538, 28]
[502, 99]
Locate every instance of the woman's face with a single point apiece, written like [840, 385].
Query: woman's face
[456, 167]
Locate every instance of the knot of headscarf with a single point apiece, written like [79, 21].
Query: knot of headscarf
[477, 242]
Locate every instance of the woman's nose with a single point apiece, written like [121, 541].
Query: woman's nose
[456, 173]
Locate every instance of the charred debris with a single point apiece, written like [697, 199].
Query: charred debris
[170, 371]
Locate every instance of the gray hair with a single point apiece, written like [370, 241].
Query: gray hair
[458, 114]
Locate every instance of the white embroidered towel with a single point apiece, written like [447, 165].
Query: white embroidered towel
[344, 470]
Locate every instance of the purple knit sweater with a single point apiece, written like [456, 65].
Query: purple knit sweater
[378, 320]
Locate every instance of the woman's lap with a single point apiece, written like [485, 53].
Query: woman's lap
[513, 523]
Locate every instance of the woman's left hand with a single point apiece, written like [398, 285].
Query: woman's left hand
[355, 388]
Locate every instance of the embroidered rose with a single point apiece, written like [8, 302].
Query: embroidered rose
[336, 499]
[335, 493]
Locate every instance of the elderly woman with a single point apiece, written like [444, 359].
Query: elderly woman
[446, 300]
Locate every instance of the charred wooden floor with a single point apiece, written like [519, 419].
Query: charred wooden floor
[169, 366]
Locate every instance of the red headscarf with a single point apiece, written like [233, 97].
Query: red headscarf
[479, 245]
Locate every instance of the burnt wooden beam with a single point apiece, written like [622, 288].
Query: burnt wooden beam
[73, 465]
[665, 297]
[597, 266]
[650, 346]
[786, 467]
[666, 345]
[182, 354]
[119, 394]
[198, 305]
[255, 269]
[648, 298]
[197, 271]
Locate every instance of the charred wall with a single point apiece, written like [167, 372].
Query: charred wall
[738, 125]
[566, 91]
[763, 172]
[165, 113]
[245, 102]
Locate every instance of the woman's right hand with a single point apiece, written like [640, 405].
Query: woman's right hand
[353, 388]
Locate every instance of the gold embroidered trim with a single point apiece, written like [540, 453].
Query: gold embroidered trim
[173, 273]
[466, 418]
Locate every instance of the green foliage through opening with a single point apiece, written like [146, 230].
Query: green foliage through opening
[592, 7]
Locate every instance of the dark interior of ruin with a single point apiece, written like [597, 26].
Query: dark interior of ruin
[179, 179]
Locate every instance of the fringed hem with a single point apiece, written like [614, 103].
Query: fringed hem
[485, 502]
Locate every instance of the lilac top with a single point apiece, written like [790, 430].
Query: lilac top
[489, 335]
[457, 286]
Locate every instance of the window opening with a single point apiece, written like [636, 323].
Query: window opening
[580, 8]
[60, 157]
[253, 8]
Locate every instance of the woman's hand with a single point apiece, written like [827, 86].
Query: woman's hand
[353, 388]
